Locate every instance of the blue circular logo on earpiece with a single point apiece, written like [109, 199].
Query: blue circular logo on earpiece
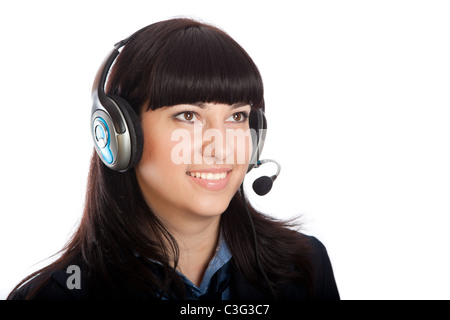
[102, 139]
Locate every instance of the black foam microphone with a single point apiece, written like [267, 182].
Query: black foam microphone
[263, 184]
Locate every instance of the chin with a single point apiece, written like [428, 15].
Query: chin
[212, 207]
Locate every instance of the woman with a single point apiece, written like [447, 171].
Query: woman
[171, 221]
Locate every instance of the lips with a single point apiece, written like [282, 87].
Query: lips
[213, 179]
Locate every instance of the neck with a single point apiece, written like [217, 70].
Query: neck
[197, 239]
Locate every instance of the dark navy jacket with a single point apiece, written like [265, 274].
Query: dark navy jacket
[226, 279]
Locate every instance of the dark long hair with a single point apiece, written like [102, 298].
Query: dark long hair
[172, 62]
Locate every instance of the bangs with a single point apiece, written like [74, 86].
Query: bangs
[203, 64]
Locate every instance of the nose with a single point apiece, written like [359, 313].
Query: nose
[216, 148]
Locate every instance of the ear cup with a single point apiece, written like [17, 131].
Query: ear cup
[134, 130]
[258, 125]
[116, 131]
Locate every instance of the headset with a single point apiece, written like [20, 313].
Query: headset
[116, 128]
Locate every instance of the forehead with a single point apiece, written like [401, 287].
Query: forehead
[206, 105]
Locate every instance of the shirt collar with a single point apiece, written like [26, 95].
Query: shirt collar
[221, 257]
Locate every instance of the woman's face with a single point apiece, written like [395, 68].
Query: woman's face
[194, 159]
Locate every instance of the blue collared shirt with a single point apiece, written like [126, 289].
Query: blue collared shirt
[215, 281]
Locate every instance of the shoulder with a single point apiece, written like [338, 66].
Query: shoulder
[324, 282]
[65, 284]
[316, 249]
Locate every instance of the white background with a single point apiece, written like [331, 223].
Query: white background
[358, 104]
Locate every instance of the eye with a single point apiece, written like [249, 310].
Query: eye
[238, 117]
[186, 116]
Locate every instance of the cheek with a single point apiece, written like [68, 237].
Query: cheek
[241, 142]
[156, 163]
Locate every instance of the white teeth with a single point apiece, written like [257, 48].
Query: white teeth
[208, 176]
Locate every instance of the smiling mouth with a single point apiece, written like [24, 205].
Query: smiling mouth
[208, 175]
